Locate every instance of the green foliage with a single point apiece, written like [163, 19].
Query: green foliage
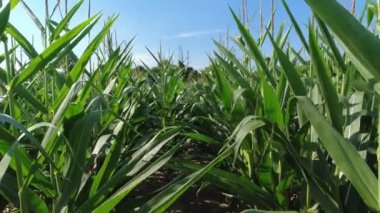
[293, 131]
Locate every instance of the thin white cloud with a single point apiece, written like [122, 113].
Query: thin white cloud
[195, 34]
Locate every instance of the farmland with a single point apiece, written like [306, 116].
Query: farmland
[293, 130]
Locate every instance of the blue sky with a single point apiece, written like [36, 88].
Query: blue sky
[175, 25]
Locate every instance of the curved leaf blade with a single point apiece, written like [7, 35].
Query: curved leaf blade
[4, 17]
[344, 154]
[363, 46]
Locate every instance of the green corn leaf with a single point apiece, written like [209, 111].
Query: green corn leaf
[68, 50]
[139, 159]
[297, 55]
[22, 41]
[328, 89]
[86, 91]
[226, 52]
[59, 114]
[5, 135]
[5, 161]
[265, 170]
[80, 65]
[279, 33]
[170, 194]
[20, 90]
[39, 181]
[290, 71]
[253, 47]
[111, 202]
[243, 187]
[49, 54]
[225, 88]
[344, 154]
[320, 190]
[241, 131]
[331, 42]
[272, 106]
[4, 17]
[295, 25]
[240, 79]
[65, 21]
[110, 65]
[281, 40]
[14, 3]
[363, 47]
[108, 167]
[200, 137]
[35, 202]
[79, 140]
[163, 200]
[8, 189]
[282, 89]
[372, 11]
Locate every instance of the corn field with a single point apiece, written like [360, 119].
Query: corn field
[296, 130]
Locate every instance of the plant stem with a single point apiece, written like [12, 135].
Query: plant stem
[65, 7]
[45, 46]
[9, 78]
[46, 23]
[261, 18]
[308, 197]
[20, 181]
[7, 61]
[353, 10]
[89, 33]
[272, 9]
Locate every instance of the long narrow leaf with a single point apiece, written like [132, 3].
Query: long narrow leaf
[45, 57]
[80, 66]
[328, 90]
[363, 46]
[4, 17]
[344, 154]
[254, 49]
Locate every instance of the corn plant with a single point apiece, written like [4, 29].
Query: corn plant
[70, 136]
[308, 137]
[295, 130]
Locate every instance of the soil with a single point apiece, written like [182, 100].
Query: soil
[197, 199]
[209, 199]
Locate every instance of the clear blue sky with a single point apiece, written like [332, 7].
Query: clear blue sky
[189, 25]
